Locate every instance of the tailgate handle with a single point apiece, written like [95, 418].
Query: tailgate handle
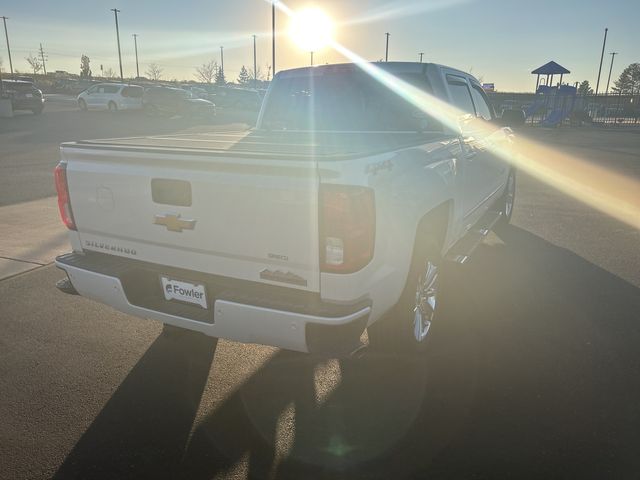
[166, 191]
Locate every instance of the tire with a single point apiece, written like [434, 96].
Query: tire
[112, 107]
[507, 201]
[83, 105]
[407, 328]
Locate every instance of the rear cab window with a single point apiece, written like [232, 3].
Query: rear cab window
[347, 101]
[460, 94]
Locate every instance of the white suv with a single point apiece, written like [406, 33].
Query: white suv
[111, 96]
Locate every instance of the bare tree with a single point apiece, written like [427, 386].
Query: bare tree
[154, 72]
[34, 62]
[109, 73]
[206, 72]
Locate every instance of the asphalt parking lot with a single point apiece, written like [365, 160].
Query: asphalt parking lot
[536, 372]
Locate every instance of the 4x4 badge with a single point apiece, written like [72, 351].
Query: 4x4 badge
[174, 223]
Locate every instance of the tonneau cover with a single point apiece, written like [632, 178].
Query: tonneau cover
[270, 143]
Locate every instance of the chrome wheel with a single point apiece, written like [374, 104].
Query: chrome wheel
[509, 195]
[425, 305]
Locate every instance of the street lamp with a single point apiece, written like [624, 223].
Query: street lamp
[115, 12]
[6, 34]
[386, 50]
[135, 42]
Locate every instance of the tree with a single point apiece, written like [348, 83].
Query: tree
[154, 72]
[629, 80]
[244, 78]
[34, 62]
[220, 80]
[584, 88]
[85, 68]
[109, 73]
[259, 76]
[206, 72]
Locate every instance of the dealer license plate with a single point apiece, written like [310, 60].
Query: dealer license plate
[182, 291]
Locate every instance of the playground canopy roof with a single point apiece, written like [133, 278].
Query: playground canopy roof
[551, 68]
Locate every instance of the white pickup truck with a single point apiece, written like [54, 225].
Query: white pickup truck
[334, 214]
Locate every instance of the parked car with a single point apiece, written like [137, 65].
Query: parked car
[197, 92]
[111, 96]
[335, 214]
[23, 95]
[176, 101]
[240, 98]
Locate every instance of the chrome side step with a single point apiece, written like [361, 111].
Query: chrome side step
[463, 248]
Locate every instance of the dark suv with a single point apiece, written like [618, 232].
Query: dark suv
[23, 95]
[175, 101]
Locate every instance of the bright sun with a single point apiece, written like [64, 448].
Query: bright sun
[311, 29]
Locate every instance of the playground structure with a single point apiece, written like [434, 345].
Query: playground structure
[553, 103]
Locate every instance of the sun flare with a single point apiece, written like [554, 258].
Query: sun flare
[311, 29]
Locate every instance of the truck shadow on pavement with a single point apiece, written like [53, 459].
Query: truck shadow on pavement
[144, 427]
[533, 373]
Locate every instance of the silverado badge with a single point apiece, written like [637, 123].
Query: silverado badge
[174, 223]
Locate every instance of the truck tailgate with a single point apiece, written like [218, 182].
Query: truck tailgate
[252, 219]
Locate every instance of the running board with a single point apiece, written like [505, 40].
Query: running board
[463, 248]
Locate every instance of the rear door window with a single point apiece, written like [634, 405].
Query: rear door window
[482, 105]
[111, 89]
[132, 92]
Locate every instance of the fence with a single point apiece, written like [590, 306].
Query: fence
[601, 110]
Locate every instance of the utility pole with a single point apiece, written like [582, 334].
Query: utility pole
[222, 60]
[311, 58]
[386, 51]
[44, 66]
[115, 12]
[4, 19]
[421, 54]
[135, 43]
[255, 68]
[604, 42]
[273, 36]
[613, 55]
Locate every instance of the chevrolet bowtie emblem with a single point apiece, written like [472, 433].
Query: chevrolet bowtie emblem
[174, 223]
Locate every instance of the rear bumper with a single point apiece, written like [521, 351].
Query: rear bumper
[34, 103]
[226, 318]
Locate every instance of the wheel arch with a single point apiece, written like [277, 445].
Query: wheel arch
[435, 224]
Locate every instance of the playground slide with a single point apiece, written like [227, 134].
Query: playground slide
[534, 107]
[558, 114]
[555, 117]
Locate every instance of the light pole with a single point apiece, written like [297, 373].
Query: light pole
[421, 54]
[311, 52]
[273, 36]
[613, 55]
[255, 68]
[115, 12]
[221, 62]
[604, 42]
[135, 43]
[4, 19]
[386, 51]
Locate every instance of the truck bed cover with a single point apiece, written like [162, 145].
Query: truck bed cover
[279, 144]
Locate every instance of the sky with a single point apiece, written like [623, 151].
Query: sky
[498, 41]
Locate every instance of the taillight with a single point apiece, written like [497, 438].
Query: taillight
[64, 202]
[347, 227]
